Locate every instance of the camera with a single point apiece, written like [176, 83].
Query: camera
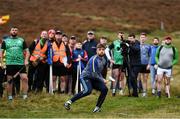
[125, 47]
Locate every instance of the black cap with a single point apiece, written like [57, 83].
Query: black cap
[73, 37]
[64, 35]
[59, 32]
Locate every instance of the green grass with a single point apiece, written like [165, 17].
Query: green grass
[51, 106]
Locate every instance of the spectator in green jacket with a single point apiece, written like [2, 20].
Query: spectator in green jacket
[166, 57]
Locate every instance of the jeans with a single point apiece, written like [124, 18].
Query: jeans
[153, 73]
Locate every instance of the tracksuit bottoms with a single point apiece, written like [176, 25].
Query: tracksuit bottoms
[89, 84]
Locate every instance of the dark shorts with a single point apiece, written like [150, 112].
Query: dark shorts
[143, 69]
[123, 68]
[117, 66]
[13, 69]
[59, 69]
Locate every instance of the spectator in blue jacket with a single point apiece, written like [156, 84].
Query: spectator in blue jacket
[79, 57]
[153, 70]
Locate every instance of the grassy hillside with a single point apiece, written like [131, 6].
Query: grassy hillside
[78, 16]
[106, 17]
[51, 106]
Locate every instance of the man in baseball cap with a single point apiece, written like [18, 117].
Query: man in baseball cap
[90, 33]
[166, 58]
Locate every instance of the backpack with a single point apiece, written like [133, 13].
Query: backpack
[173, 48]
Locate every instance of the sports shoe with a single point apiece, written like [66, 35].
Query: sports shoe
[67, 105]
[135, 94]
[167, 95]
[121, 92]
[25, 97]
[113, 92]
[144, 94]
[62, 92]
[171, 78]
[96, 109]
[153, 91]
[159, 94]
[10, 98]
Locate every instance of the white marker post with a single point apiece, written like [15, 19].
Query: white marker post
[50, 75]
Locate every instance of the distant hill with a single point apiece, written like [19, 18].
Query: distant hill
[78, 16]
